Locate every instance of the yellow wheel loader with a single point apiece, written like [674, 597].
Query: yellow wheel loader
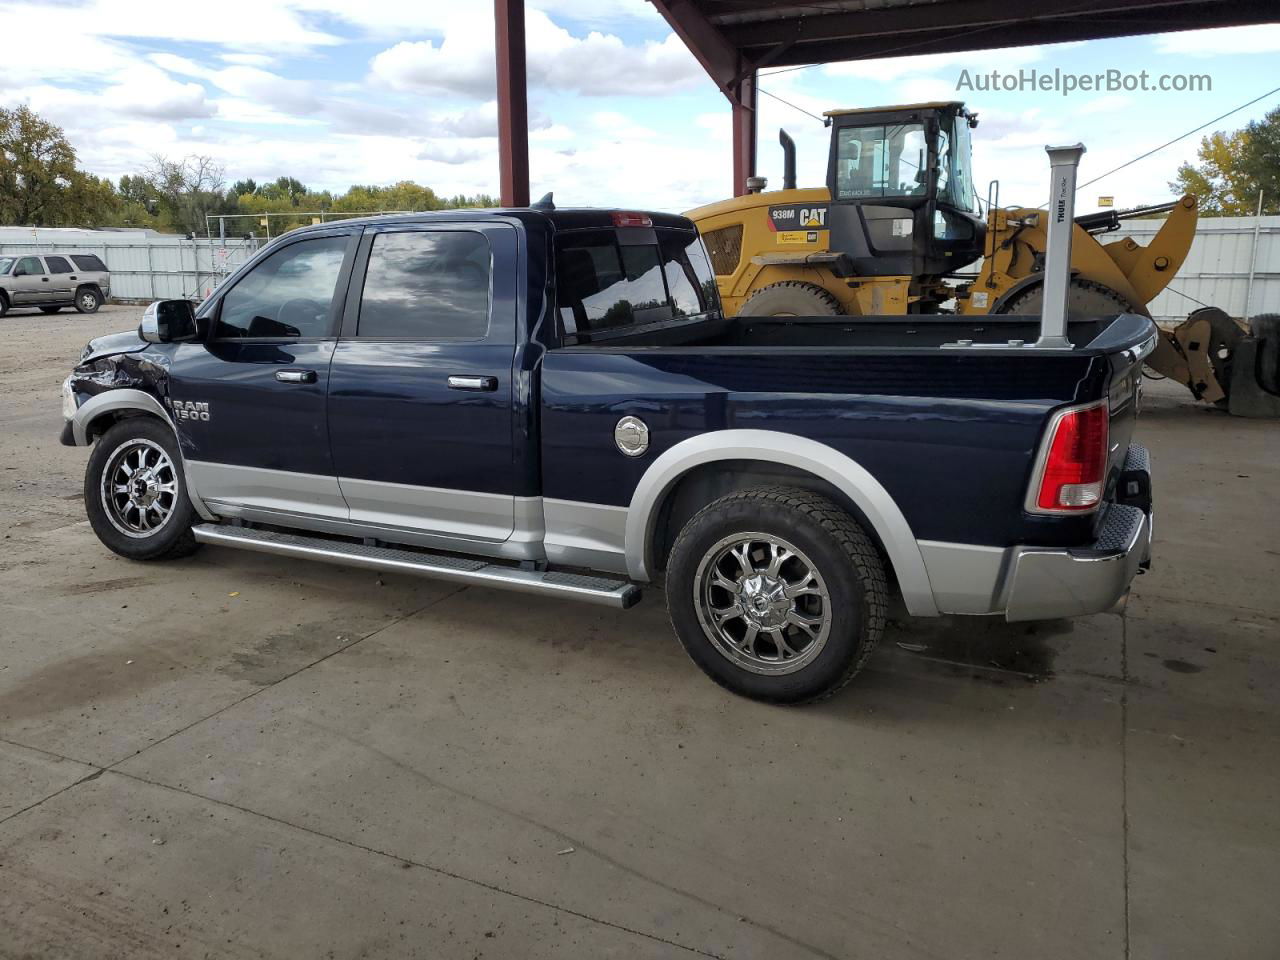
[899, 218]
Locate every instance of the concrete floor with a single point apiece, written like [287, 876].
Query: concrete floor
[242, 756]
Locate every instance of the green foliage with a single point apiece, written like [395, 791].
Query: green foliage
[39, 182]
[1234, 167]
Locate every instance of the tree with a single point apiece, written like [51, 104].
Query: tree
[188, 190]
[1234, 167]
[37, 170]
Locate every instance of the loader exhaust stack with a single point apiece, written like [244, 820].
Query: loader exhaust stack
[788, 160]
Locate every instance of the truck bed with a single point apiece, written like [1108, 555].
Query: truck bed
[951, 433]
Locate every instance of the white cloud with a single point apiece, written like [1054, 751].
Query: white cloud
[1226, 41]
[240, 24]
[247, 59]
[599, 64]
[145, 91]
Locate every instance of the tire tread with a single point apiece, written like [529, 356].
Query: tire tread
[855, 543]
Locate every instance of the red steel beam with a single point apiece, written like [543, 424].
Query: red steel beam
[513, 107]
[744, 133]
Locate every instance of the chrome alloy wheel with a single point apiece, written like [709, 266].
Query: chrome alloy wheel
[139, 488]
[762, 603]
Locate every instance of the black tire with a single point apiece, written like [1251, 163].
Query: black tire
[4, 304]
[791, 298]
[1265, 328]
[88, 300]
[172, 538]
[826, 538]
[1085, 298]
[50, 309]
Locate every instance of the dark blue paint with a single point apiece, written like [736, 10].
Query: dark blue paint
[255, 420]
[393, 417]
[950, 437]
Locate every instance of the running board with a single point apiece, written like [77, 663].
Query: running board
[570, 586]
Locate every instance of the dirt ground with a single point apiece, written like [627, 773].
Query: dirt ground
[242, 756]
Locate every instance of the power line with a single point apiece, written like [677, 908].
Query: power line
[1177, 138]
[822, 120]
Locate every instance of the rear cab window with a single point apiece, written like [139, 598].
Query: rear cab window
[88, 261]
[615, 280]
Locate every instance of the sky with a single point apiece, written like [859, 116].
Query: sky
[335, 92]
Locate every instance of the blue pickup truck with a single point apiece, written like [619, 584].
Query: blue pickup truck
[550, 400]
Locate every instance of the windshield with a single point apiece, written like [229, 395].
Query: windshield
[5, 264]
[881, 161]
[955, 163]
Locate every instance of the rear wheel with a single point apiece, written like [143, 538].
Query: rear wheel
[4, 304]
[88, 300]
[777, 594]
[791, 298]
[135, 493]
[50, 309]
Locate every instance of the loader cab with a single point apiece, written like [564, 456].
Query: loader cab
[901, 184]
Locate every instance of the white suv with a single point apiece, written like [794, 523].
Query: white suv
[53, 281]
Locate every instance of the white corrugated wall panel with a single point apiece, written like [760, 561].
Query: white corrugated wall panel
[144, 265]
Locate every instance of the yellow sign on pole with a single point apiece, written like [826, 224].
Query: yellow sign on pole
[1106, 201]
[263, 221]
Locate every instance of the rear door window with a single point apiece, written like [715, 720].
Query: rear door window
[57, 264]
[428, 285]
[87, 261]
[608, 279]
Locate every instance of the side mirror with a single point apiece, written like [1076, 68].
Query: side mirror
[168, 321]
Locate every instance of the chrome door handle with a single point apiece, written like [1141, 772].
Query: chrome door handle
[296, 376]
[473, 383]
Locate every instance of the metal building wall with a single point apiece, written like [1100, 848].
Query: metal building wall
[144, 266]
[1216, 271]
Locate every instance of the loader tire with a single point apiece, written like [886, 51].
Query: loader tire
[791, 298]
[1085, 298]
[1265, 328]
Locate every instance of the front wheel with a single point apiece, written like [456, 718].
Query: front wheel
[88, 300]
[135, 493]
[777, 594]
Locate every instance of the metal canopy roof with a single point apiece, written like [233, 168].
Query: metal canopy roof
[764, 33]
[733, 39]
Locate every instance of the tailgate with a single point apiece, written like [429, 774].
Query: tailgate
[1124, 391]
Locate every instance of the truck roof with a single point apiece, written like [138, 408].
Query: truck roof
[562, 218]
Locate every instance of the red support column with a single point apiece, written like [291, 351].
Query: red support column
[513, 110]
[743, 103]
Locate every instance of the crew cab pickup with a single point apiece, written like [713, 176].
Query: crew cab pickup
[550, 400]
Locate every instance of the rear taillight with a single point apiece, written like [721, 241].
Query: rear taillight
[624, 219]
[1073, 462]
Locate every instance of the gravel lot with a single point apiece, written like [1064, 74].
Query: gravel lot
[243, 756]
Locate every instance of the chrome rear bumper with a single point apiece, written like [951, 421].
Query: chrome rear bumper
[1046, 584]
